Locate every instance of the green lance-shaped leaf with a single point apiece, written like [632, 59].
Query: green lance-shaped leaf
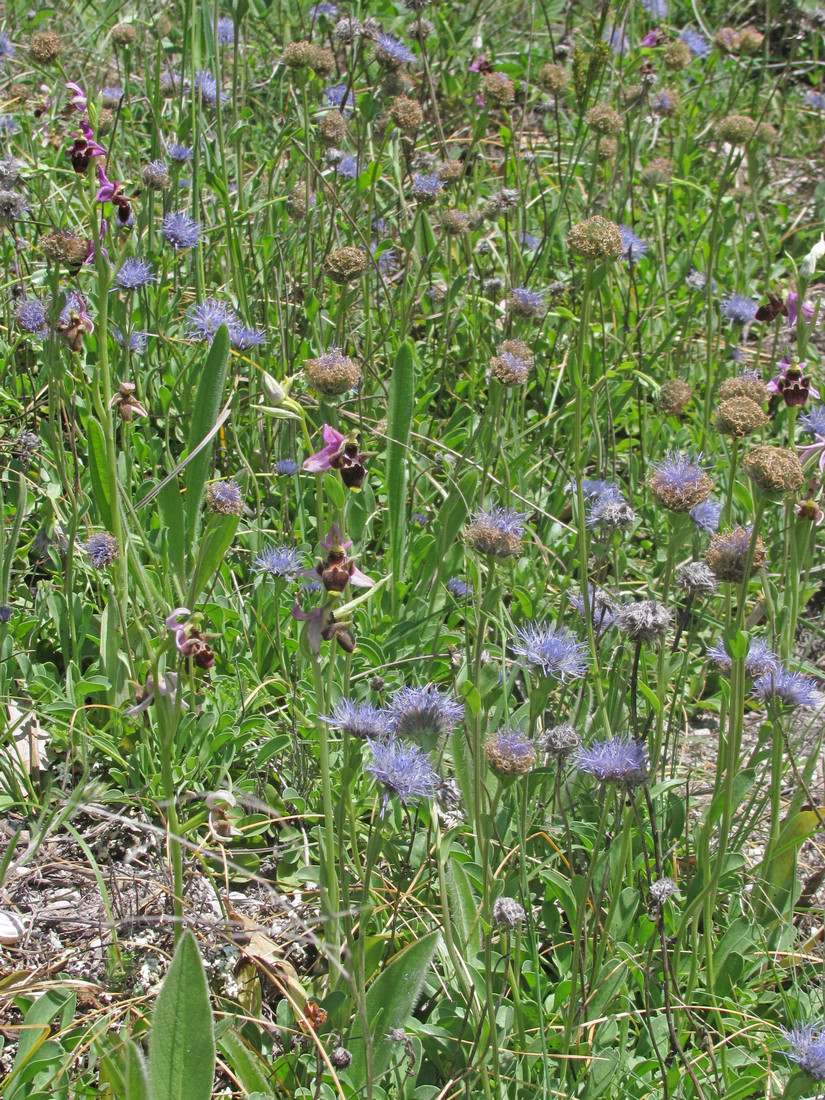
[216, 540]
[204, 414]
[390, 1000]
[97, 472]
[399, 423]
[182, 1042]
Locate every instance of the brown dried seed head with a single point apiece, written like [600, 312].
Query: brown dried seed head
[332, 374]
[604, 119]
[744, 385]
[739, 416]
[124, 34]
[45, 47]
[513, 363]
[299, 55]
[774, 469]
[677, 56]
[736, 129]
[555, 78]
[406, 114]
[498, 88]
[332, 128]
[727, 555]
[344, 265]
[64, 246]
[674, 397]
[658, 171]
[595, 239]
[749, 40]
[455, 222]
[510, 752]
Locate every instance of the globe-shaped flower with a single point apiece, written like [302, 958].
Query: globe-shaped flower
[424, 712]
[402, 770]
[278, 561]
[509, 751]
[616, 760]
[361, 720]
[555, 650]
[679, 482]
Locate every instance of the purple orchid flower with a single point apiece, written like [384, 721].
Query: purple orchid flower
[792, 306]
[319, 462]
[793, 384]
[318, 622]
[652, 38]
[109, 189]
[78, 100]
[813, 449]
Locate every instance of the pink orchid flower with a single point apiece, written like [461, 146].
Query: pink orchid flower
[652, 38]
[793, 384]
[319, 462]
[78, 100]
[793, 309]
[813, 449]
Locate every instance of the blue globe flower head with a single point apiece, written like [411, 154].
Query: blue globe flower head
[458, 588]
[509, 752]
[706, 515]
[243, 339]
[205, 85]
[813, 421]
[361, 720]
[224, 498]
[815, 100]
[555, 650]
[278, 561]
[616, 39]
[136, 343]
[180, 154]
[529, 242]
[348, 168]
[602, 608]
[101, 549]
[325, 9]
[426, 188]
[30, 315]
[402, 770]
[791, 689]
[807, 1047]
[336, 96]
[424, 712]
[695, 42]
[759, 660]
[181, 231]
[738, 309]
[205, 318]
[111, 95]
[392, 53]
[7, 47]
[610, 510]
[633, 247]
[497, 532]
[524, 302]
[679, 482]
[9, 125]
[616, 760]
[592, 488]
[134, 274]
[656, 9]
[226, 31]
[286, 467]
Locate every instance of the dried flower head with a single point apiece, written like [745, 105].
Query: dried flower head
[727, 554]
[696, 579]
[391, 53]
[748, 384]
[601, 605]
[64, 246]
[332, 128]
[345, 265]
[676, 56]
[124, 34]
[498, 532]
[739, 416]
[555, 78]
[749, 41]
[512, 363]
[665, 103]
[774, 469]
[455, 222]
[498, 88]
[155, 175]
[660, 891]
[561, 740]
[45, 47]
[674, 397]
[426, 189]
[604, 120]
[738, 130]
[679, 482]
[101, 549]
[531, 304]
[332, 374]
[645, 622]
[225, 498]
[657, 172]
[508, 913]
[759, 659]
[595, 239]
[406, 114]
[509, 751]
